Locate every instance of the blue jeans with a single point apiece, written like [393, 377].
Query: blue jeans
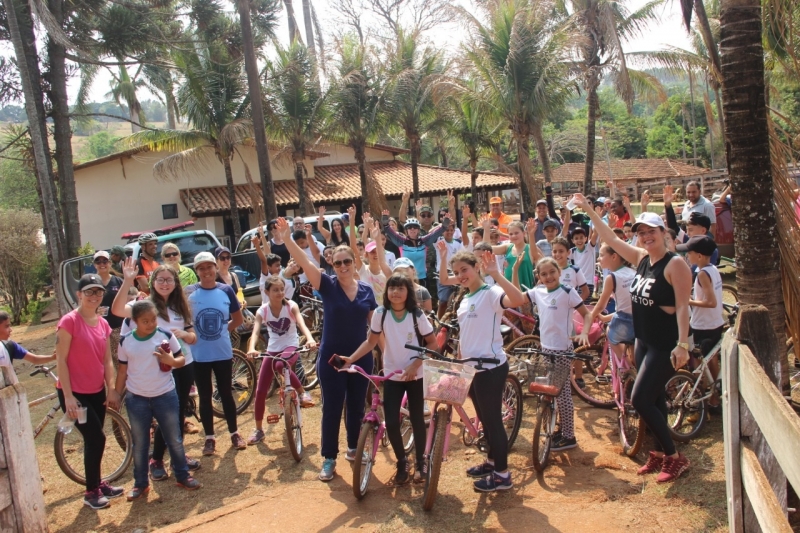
[141, 411]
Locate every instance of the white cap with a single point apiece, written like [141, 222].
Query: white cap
[204, 257]
[648, 219]
[101, 253]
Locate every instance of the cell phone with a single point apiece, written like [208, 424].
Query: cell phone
[336, 362]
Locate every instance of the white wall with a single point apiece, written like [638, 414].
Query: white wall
[343, 155]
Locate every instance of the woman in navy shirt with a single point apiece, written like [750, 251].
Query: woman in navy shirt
[347, 304]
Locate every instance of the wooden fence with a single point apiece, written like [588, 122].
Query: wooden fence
[21, 498]
[761, 431]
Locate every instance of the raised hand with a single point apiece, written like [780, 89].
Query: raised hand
[385, 213]
[291, 268]
[451, 200]
[612, 220]
[668, 194]
[321, 211]
[486, 222]
[626, 201]
[406, 195]
[417, 206]
[352, 212]
[129, 269]
[645, 200]
[465, 212]
[581, 201]
[489, 263]
[284, 228]
[531, 226]
[441, 247]
[375, 232]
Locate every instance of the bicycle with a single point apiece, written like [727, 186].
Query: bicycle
[688, 391]
[68, 447]
[372, 432]
[244, 378]
[292, 418]
[446, 398]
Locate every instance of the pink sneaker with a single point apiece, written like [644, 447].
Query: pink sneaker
[672, 468]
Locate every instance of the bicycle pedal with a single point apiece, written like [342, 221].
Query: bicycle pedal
[273, 419]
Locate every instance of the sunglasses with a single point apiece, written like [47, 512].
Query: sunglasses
[224, 258]
[345, 262]
[426, 215]
[93, 292]
[171, 254]
[101, 261]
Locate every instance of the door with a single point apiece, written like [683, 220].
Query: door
[70, 273]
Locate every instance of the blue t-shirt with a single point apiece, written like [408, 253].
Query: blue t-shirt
[345, 326]
[15, 351]
[212, 310]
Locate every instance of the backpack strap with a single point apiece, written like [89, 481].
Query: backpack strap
[420, 339]
[383, 316]
[614, 280]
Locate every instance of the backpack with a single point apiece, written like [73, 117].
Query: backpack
[420, 339]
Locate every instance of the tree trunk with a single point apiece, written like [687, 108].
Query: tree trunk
[691, 117]
[527, 189]
[237, 228]
[708, 37]
[416, 150]
[294, 33]
[301, 184]
[544, 157]
[171, 107]
[445, 157]
[588, 171]
[758, 273]
[20, 25]
[257, 113]
[62, 135]
[473, 179]
[720, 114]
[361, 158]
[312, 49]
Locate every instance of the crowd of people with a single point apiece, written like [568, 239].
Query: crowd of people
[152, 331]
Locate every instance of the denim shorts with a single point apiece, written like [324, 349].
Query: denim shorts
[445, 291]
[621, 329]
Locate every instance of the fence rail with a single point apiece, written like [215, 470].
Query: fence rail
[761, 435]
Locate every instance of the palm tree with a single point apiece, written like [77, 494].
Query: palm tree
[123, 91]
[604, 25]
[213, 98]
[295, 108]
[521, 56]
[414, 74]
[356, 100]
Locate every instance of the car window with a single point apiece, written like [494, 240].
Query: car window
[190, 246]
[244, 242]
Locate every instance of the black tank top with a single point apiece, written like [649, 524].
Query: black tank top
[649, 291]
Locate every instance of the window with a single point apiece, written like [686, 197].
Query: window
[190, 246]
[169, 211]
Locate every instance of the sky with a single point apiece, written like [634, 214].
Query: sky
[669, 32]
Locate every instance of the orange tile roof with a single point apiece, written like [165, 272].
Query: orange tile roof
[335, 183]
[629, 169]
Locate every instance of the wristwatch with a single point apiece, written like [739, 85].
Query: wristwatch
[684, 345]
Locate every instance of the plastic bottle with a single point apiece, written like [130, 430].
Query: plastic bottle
[162, 366]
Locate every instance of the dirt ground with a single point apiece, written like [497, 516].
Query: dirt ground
[590, 488]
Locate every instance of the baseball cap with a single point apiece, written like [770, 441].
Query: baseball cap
[699, 219]
[702, 244]
[550, 223]
[541, 201]
[204, 257]
[648, 219]
[602, 199]
[346, 217]
[426, 208]
[403, 262]
[495, 200]
[101, 253]
[221, 250]
[90, 281]
[371, 246]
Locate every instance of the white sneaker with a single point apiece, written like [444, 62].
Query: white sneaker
[350, 455]
[306, 400]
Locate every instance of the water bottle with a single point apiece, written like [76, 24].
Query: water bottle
[66, 424]
[162, 366]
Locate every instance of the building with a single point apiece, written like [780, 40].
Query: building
[118, 194]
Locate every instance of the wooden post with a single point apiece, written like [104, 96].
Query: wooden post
[730, 431]
[21, 498]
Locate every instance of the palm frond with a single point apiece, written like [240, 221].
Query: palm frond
[187, 163]
[647, 87]
[168, 140]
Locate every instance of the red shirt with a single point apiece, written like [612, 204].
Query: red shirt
[146, 267]
[622, 220]
[87, 352]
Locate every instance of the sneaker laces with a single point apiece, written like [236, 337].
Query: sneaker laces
[671, 466]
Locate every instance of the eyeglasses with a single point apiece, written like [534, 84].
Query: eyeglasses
[426, 215]
[224, 258]
[345, 262]
[93, 292]
[165, 281]
[101, 261]
[171, 254]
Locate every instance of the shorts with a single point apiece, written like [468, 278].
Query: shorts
[444, 292]
[620, 331]
[705, 339]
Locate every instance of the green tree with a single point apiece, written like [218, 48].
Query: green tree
[100, 144]
[671, 134]
[17, 186]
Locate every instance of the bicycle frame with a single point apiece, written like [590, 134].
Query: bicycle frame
[286, 389]
[702, 371]
[466, 420]
[54, 395]
[373, 415]
[505, 320]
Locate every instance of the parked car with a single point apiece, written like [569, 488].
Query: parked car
[244, 243]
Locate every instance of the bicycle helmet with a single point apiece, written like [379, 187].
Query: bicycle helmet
[147, 237]
[412, 222]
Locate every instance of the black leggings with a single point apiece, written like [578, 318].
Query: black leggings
[649, 396]
[94, 440]
[486, 392]
[392, 398]
[184, 378]
[223, 372]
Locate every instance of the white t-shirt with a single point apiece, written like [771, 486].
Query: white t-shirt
[282, 329]
[175, 321]
[704, 318]
[399, 333]
[572, 277]
[288, 283]
[555, 314]
[622, 293]
[452, 249]
[479, 316]
[390, 259]
[584, 260]
[376, 281]
[145, 378]
[310, 254]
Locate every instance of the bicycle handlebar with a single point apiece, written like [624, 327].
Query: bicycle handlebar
[42, 369]
[311, 299]
[355, 369]
[437, 355]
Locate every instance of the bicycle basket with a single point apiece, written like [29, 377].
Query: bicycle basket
[546, 377]
[446, 382]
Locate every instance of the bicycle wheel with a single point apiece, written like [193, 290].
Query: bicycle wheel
[512, 409]
[631, 425]
[730, 297]
[407, 432]
[594, 393]
[363, 470]
[117, 455]
[294, 430]
[435, 459]
[243, 387]
[306, 366]
[312, 317]
[686, 412]
[543, 435]
[517, 352]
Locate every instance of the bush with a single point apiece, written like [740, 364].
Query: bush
[21, 250]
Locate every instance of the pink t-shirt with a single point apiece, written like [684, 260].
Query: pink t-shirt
[87, 352]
